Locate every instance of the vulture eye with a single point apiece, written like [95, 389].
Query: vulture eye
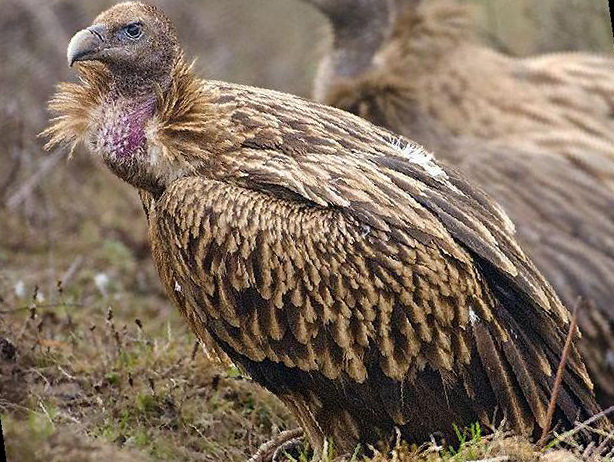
[133, 31]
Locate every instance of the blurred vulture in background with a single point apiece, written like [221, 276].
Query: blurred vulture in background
[537, 134]
[343, 268]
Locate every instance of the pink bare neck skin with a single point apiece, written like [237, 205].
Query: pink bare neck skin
[122, 132]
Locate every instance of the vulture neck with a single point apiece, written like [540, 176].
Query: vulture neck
[132, 101]
[135, 83]
[139, 87]
[122, 131]
[356, 40]
[355, 43]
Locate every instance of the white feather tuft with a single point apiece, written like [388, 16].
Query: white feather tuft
[416, 154]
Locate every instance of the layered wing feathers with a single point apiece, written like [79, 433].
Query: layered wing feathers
[337, 248]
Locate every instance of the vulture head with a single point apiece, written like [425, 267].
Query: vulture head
[136, 42]
[132, 70]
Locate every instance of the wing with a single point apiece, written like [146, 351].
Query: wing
[565, 221]
[310, 286]
[372, 287]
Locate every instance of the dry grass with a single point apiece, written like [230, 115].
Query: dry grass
[94, 369]
[85, 387]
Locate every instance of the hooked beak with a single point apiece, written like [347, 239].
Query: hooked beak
[86, 44]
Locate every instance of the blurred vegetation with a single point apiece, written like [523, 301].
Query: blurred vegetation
[524, 27]
[73, 246]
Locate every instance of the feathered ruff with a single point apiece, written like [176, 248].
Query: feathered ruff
[76, 105]
[184, 119]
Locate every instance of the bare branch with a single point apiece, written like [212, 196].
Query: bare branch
[559, 374]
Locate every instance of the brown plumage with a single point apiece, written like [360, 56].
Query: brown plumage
[536, 134]
[561, 103]
[341, 266]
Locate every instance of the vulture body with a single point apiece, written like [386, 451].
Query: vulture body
[344, 269]
[536, 134]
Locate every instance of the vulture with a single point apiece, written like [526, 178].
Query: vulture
[526, 131]
[376, 292]
[561, 103]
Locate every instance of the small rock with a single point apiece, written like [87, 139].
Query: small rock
[8, 352]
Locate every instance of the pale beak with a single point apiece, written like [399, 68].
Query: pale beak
[86, 44]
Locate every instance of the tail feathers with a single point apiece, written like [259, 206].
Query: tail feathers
[503, 381]
[523, 387]
[535, 395]
[597, 348]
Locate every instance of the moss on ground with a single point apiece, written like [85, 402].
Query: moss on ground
[103, 360]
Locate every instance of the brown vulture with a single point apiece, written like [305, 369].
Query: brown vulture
[561, 103]
[368, 287]
[411, 67]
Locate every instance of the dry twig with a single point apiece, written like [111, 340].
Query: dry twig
[582, 426]
[266, 451]
[559, 375]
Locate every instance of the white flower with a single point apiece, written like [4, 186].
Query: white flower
[20, 289]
